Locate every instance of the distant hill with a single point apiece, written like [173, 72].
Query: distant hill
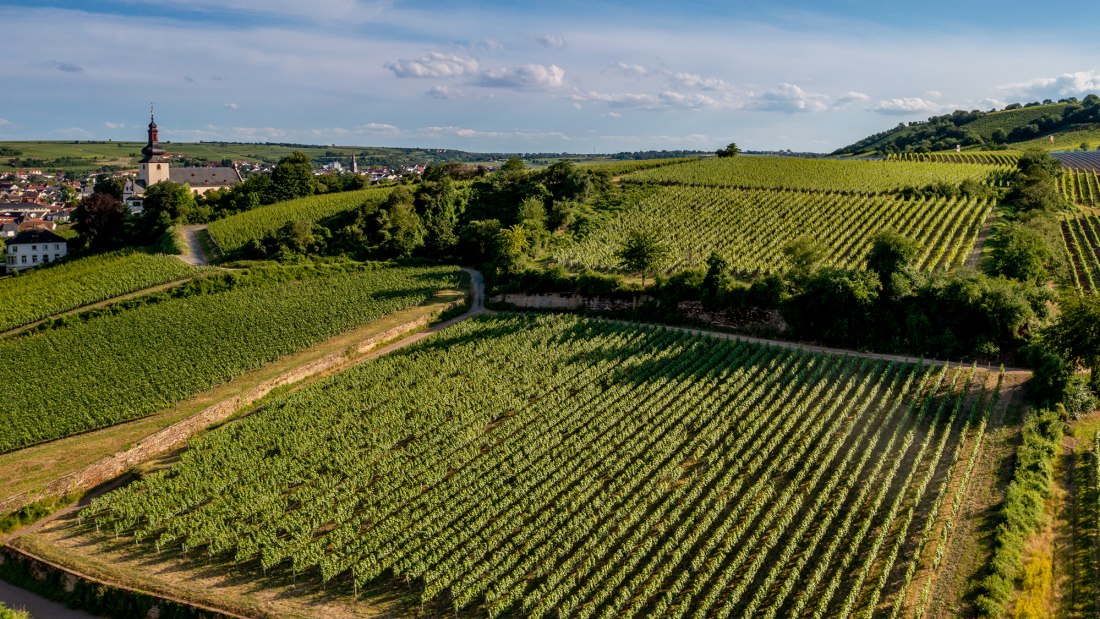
[92, 156]
[1069, 121]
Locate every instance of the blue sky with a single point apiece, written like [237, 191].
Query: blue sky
[578, 76]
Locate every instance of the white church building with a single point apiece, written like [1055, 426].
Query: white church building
[156, 167]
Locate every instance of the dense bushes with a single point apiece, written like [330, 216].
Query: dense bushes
[1022, 511]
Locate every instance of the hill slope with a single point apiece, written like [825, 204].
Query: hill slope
[1069, 121]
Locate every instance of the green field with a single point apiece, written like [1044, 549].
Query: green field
[633, 471]
[1010, 119]
[750, 227]
[1080, 186]
[816, 174]
[127, 365]
[1001, 158]
[1067, 140]
[44, 292]
[232, 233]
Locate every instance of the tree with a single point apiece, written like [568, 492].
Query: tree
[890, 252]
[999, 136]
[396, 230]
[292, 177]
[731, 150]
[642, 252]
[804, 255]
[1020, 252]
[164, 205]
[513, 164]
[110, 185]
[716, 281]
[99, 221]
[1076, 334]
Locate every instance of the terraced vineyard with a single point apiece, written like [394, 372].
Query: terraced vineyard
[1080, 186]
[118, 367]
[750, 227]
[621, 471]
[1081, 234]
[234, 232]
[811, 174]
[45, 292]
[1005, 159]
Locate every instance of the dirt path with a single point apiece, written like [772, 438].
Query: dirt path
[979, 243]
[38, 607]
[194, 255]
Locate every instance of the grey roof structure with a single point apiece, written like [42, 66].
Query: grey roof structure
[37, 236]
[205, 177]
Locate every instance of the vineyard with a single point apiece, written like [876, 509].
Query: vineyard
[1080, 161]
[750, 227]
[1004, 159]
[234, 232]
[118, 367]
[1080, 186]
[617, 168]
[621, 471]
[45, 292]
[1081, 234]
[811, 174]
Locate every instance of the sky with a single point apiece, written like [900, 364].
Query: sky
[537, 76]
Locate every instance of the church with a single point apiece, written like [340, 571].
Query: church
[155, 167]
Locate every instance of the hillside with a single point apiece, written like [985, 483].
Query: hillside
[1070, 122]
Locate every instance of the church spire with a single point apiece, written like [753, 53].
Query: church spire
[153, 150]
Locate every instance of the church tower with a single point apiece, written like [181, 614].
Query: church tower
[154, 167]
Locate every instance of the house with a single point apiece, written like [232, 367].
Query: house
[155, 167]
[33, 248]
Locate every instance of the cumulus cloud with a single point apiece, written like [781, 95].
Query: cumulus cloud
[524, 77]
[435, 64]
[66, 67]
[5, 122]
[232, 106]
[380, 128]
[553, 41]
[692, 80]
[445, 92]
[1064, 85]
[849, 98]
[665, 100]
[789, 99]
[635, 70]
[904, 106]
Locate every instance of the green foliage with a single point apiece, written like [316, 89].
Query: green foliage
[631, 469]
[113, 186]
[1022, 512]
[1081, 236]
[165, 204]
[8, 613]
[804, 254]
[1020, 252]
[729, 151]
[292, 178]
[233, 233]
[643, 252]
[68, 285]
[124, 366]
[100, 220]
[1076, 334]
[890, 253]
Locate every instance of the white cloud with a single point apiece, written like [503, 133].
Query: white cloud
[353, 11]
[933, 94]
[636, 70]
[232, 106]
[380, 128]
[524, 77]
[665, 100]
[692, 80]
[787, 98]
[435, 64]
[553, 41]
[905, 106]
[465, 132]
[849, 98]
[1065, 85]
[109, 125]
[443, 91]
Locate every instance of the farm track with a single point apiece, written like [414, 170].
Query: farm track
[195, 256]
